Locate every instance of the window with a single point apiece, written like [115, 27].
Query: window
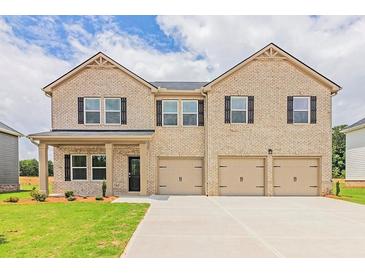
[190, 112]
[300, 110]
[169, 112]
[112, 111]
[79, 167]
[238, 109]
[92, 110]
[98, 166]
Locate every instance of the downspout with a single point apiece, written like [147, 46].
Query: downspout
[206, 139]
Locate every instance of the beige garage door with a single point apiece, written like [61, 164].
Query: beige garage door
[181, 176]
[296, 176]
[238, 176]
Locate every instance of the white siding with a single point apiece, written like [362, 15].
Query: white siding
[355, 155]
[8, 159]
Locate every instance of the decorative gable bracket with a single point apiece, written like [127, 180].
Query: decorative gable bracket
[100, 62]
[270, 54]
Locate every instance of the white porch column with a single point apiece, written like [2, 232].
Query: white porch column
[43, 167]
[109, 169]
[143, 158]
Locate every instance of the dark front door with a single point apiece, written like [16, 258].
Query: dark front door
[134, 176]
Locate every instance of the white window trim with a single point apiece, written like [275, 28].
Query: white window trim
[92, 167]
[232, 109]
[72, 175]
[86, 98]
[105, 111]
[307, 110]
[177, 113]
[196, 113]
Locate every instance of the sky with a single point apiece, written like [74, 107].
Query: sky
[35, 50]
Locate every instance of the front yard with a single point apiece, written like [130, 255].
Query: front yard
[351, 194]
[76, 229]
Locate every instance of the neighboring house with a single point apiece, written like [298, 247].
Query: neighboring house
[355, 153]
[9, 158]
[261, 128]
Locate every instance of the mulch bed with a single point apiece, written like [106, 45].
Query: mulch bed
[63, 200]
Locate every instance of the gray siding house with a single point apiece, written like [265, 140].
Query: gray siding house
[355, 153]
[9, 158]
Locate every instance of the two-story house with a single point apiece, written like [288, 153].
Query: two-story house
[261, 128]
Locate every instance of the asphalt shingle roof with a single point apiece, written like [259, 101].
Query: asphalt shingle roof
[358, 123]
[179, 85]
[4, 127]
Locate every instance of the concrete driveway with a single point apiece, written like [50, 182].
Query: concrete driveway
[199, 226]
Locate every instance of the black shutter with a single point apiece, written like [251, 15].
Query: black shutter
[313, 109]
[290, 110]
[123, 111]
[80, 109]
[227, 109]
[201, 112]
[251, 104]
[159, 112]
[67, 167]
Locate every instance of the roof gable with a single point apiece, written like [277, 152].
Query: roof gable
[99, 60]
[273, 52]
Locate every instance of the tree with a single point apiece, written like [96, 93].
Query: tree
[31, 167]
[338, 152]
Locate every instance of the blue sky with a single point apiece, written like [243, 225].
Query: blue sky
[35, 50]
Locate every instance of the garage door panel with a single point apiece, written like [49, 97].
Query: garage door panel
[239, 176]
[295, 176]
[181, 176]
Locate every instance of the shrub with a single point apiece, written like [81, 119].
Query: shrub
[12, 200]
[99, 198]
[338, 188]
[103, 188]
[36, 195]
[34, 192]
[69, 193]
[71, 198]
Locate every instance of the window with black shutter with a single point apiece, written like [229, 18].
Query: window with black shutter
[290, 109]
[159, 112]
[251, 105]
[227, 109]
[80, 109]
[313, 109]
[67, 167]
[123, 112]
[201, 112]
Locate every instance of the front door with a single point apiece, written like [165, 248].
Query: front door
[134, 175]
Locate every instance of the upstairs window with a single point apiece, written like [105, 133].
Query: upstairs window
[78, 167]
[112, 110]
[169, 112]
[98, 166]
[190, 112]
[238, 109]
[92, 110]
[301, 110]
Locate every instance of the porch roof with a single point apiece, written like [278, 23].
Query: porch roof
[95, 136]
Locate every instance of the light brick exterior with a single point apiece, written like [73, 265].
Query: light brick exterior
[269, 81]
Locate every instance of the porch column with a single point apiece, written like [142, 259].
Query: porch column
[109, 169]
[43, 167]
[143, 167]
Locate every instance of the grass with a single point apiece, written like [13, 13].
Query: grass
[71, 230]
[352, 194]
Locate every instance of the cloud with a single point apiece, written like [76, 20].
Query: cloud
[36, 50]
[330, 44]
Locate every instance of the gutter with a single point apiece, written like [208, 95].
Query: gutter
[347, 130]
[203, 93]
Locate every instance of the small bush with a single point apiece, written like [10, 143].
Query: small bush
[338, 189]
[103, 188]
[12, 200]
[71, 198]
[69, 193]
[34, 192]
[38, 196]
[99, 198]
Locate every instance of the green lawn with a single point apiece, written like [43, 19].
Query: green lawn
[23, 193]
[67, 230]
[356, 195]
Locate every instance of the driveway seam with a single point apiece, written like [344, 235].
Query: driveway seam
[256, 236]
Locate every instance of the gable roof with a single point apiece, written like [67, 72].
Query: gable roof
[8, 130]
[357, 125]
[274, 51]
[99, 59]
[179, 85]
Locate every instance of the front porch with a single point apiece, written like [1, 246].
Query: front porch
[84, 159]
